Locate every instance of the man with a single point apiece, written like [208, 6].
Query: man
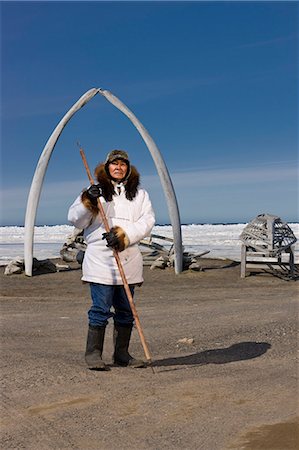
[130, 216]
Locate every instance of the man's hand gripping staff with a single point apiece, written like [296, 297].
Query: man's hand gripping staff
[113, 241]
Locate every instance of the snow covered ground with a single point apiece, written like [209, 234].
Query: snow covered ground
[221, 240]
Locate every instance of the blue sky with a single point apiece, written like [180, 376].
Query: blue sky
[215, 83]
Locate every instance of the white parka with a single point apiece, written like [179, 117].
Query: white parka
[135, 217]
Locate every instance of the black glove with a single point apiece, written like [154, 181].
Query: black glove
[112, 239]
[93, 193]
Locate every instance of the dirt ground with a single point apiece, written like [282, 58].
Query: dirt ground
[234, 387]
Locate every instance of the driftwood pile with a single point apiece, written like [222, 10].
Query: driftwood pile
[155, 255]
[158, 256]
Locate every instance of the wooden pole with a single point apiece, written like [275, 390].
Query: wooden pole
[119, 265]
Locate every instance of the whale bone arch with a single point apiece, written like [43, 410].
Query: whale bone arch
[41, 168]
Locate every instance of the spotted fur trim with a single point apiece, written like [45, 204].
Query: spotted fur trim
[88, 204]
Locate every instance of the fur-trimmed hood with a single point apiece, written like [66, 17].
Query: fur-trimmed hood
[131, 183]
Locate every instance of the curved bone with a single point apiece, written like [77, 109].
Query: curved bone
[38, 178]
[42, 165]
[163, 174]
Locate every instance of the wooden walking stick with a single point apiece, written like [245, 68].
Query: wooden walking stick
[120, 267]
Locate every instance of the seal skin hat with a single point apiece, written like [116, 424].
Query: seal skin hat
[118, 154]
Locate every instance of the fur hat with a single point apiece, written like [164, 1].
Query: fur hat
[113, 156]
[117, 154]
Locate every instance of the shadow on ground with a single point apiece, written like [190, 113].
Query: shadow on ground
[236, 352]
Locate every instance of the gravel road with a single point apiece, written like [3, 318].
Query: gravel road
[232, 385]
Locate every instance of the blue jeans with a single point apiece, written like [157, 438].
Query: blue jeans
[103, 298]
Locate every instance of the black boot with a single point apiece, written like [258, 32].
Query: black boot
[94, 347]
[121, 337]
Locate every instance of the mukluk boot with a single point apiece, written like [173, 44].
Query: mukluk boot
[94, 347]
[121, 338]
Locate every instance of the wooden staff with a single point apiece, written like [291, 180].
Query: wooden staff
[120, 267]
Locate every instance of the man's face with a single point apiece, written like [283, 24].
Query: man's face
[118, 169]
